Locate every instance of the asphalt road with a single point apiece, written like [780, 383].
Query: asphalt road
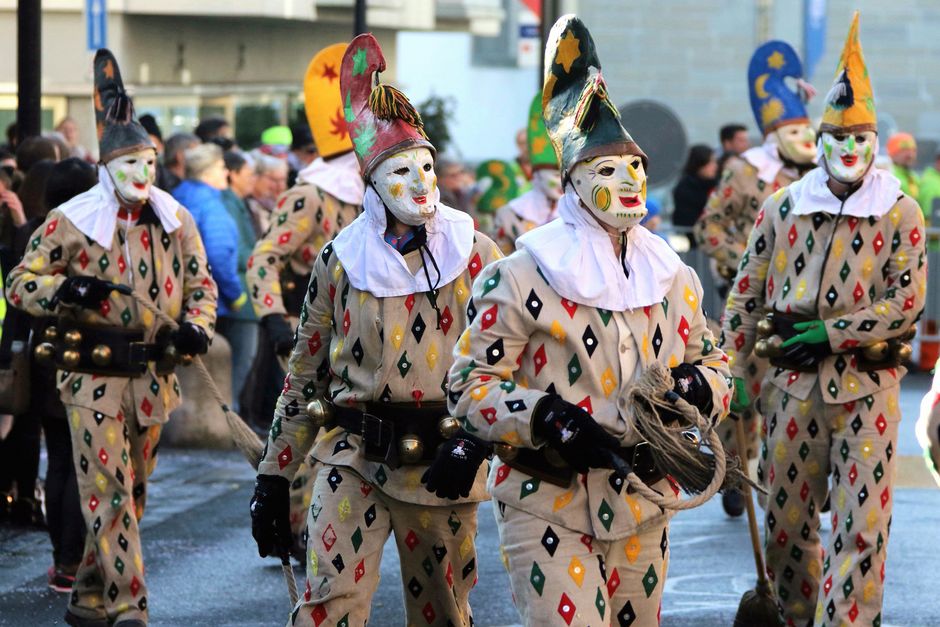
[203, 569]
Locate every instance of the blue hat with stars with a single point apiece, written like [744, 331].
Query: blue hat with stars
[773, 102]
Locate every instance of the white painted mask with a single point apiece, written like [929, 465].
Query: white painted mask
[848, 157]
[133, 175]
[613, 188]
[548, 182]
[797, 142]
[407, 184]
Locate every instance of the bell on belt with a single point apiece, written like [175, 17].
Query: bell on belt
[290, 286]
[50, 334]
[71, 358]
[774, 345]
[448, 426]
[761, 349]
[904, 352]
[319, 412]
[410, 448]
[876, 352]
[101, 355]
[73, 337]
[505, 452]
[765, 327]
[45, 351]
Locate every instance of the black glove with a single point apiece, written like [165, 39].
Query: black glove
[693, 387]
[84, 291]
[190, 339]
[270, 516]
[806, 355]
[571, 431]
[279, 333]
[454, 469]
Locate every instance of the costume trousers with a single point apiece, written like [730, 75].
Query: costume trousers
[300, 495]
[809, 444]
[349, 521]
[754, 371]
[113, 457]
[564, 577]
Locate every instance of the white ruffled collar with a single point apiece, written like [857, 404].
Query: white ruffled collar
[339, 177]
[765, 159]
[534, 207]
[577, 259]
[878, 193]
[94, 212]
[374, 266]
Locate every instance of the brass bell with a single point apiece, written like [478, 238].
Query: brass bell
[320, 413]
[101, 355]
[50, 334]
[904, 352]
[71, 358]
[448, 427]
[410, 448]
[553, 458]
[73, 337]
[774, 345]
[761, 349]
[876, 352]
[505, 452]
[185, 360]
[765, 327]
[44, 352]
[290, 286]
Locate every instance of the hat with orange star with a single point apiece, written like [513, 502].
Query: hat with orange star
[773, 102]
[541, 152]
[381, 120]
[322, 102]
[581, 120]
[119, 132]
[850, 105]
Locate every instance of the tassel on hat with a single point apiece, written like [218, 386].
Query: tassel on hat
[322, 102]
[773, 102]
[119, 132]
[850, 103]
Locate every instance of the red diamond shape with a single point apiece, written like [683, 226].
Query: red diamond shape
[587, 541]
[909, 303]
[489, 317]
[770, 286]
[791, 236]
[103, 456]
[283, 238]
[446, 320]
[853, 474]
[585, 404]
[135, 585]
[168, 286]
[760, 215]
[858, 292]
[570, 306]
[318, 614]
[804, 491]
[122, 265]
[539, 359]
[744, 283]
[613, 582]
[145, 240]
[489, 414]
[307, 591]
[881, 423]
[332, 291]
[50, 228]
[268, 300]
[782, 538]
[410, 302]
[885, 496]
[806, 589]
[428, 612]
[878, 243]
[365, 488]
[93, 503]
[284, 457]
[566, 608]
[501, 473]
[329, 537]
[360, 570]
[793, 376]
[853, 612]
[307, 254]
[314, 344]
[828, 585]
[327, 225]
[411, 540]
[83, 259]
[860, 543]
[684, 330]
[346, 323]
[915, 236]
[853, 222]
[739, 341]
[146, 407]
[449, 575]
[792, 429]
[475, 266]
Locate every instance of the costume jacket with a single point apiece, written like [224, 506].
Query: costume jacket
[520, 216]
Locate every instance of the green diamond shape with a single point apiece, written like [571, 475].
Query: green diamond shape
[119, 564]
[600, 603]
[126, 521]
[124, 457]
[537, 578]
[356, 539]
[281, 218]
[403, 364]
[453, 521]
[126, 316]
[785, 401]
[262, 272]
[142, 269]
[785, 207]
[35, 242]
[115, 500]
[103, 263]
[606, 514]
[491, 283]
[804, 451]
[786, 286]
[276, 428]
[666, 306]
[848, 522]
[605, 316]
[154, 387]
[781, 498]
[845, 271]
[344, 621]
[796, 553]
[76, 385]
[176, 265]
[869, 401]
[879, 472]
[87, 437]
[810, 242]
[735, 322]
[192, 266]
[841, 324]
[847, 587]
[650, 580]
[880, 541]
[428, 566]
[508, 386]
[574, 369]
[844, 450]
[380, 476]
[529, 486]
[832, 388]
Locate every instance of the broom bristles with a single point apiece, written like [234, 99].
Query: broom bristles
[758, 608]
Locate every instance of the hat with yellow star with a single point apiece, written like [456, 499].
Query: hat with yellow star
[322, 103]
[381, 120]
[850, 105]
[119, 132]
[581, 120]
[773, 102]
[541, 152]
[498, 181]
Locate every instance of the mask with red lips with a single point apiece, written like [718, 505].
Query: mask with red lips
[848, 156]
[133, 175]
[612, 188]
[407, 184]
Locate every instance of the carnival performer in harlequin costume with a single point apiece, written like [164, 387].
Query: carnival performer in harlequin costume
[117, 386]
[326, 198]
[385, 306]
[496, 185]
[833, 278]
[537, 206]
[788, 152]
[560, 329]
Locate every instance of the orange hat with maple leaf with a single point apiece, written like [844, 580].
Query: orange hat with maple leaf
[323, 104]
[119, 132]
[850, 105]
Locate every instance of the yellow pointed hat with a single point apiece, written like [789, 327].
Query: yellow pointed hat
[323, 104]
[850, 105]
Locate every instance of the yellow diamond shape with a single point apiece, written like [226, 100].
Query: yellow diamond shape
[478, 394]
[558, 332]
[690, 297]
[635, 508]
[632, 549]
[576, 571]
[460, 290]
[781, 261]
[425, 519]
[466, 546]
[397, 336]
[608, 383]
[101, 482]
[562, 500]
[343, 509]
[431, 356]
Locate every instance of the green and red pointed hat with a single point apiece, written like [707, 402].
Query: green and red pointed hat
[119, 132]
[581, 120]
[380, 118]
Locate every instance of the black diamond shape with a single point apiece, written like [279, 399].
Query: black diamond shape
[771, 521]
[616, 482]
[96, 527]
[119, 475]
[98, 392]
[299, 204]
[857, 242]
[867, 325]
[138, 490]
[338, 563]
[469, 568]
[865, 565]
[417, 328]
[550, 541]
[112, 591]
[862, 495]
[837, 545]
[415, 588]
[831, 610]
[440, 552]
[805, 531]
[386, 396]
[832, 296]
[334, 479]
[818, 220]
[792, 472]
[122, 542]
[341, 446]
[471, 311]
[357, 352]
[626, 616]
[812, 428]
[83, 464]
[99, 417]
[495, 352]
[589, 340]
[516, 405]
[657, 340]
[788, 573]
[55, 254]
[533, 304]
[856, 424]
[889, 451]
[840, 364]
[799, 264]
[369, 516]
[663, 543]
[760, 245]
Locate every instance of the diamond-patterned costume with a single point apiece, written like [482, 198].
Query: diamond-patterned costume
[355, 348]
[115, 421]
[525, 340]
[509, 224]
[839, 420]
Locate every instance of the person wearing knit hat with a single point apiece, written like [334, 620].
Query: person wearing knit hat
[123, 235]
[829, 287]
[326, 197]
[902, 149]
[384, 310]
[537, 206]
[788, 152]
[560, 331]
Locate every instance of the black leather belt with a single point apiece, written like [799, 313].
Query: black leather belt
[545, 464]
[395, 434]
[106, 350]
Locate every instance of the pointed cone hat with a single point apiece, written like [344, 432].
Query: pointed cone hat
[119, 132]
[850, 104]
[773, 102]
[380, 118]
[322, 102]
[541, 151]
[500, 181]
[581, 120]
